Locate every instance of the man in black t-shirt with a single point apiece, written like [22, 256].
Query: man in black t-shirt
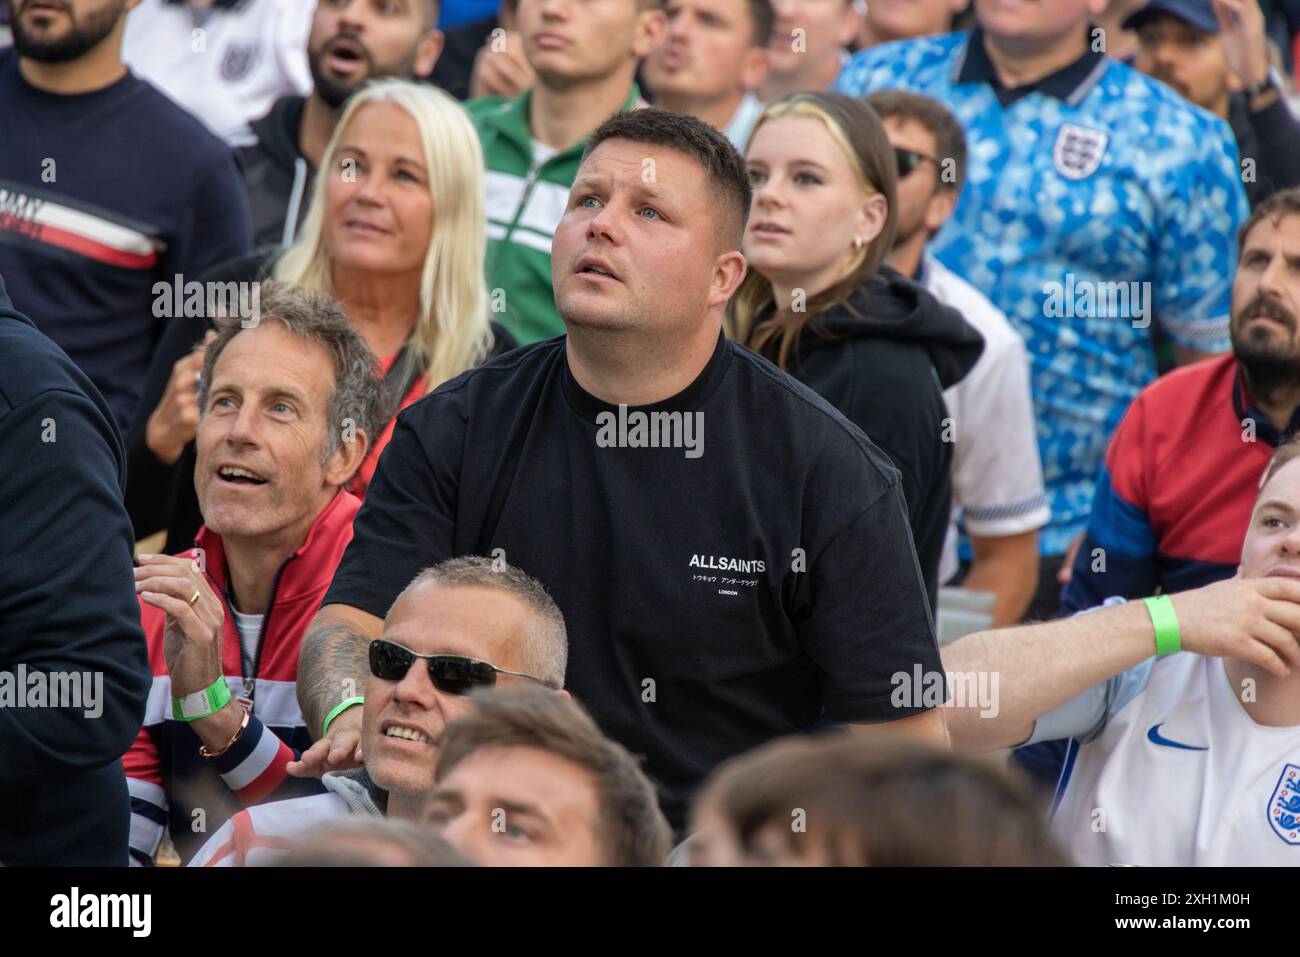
[732, 555]
[109, 192]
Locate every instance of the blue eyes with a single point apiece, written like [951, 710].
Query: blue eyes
[590, 202]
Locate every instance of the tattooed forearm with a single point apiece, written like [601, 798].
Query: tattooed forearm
[331, 667]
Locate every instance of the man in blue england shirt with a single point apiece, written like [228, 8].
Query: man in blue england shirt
[1097, 203]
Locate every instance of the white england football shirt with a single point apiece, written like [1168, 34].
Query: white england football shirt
[1166, 768]
[227, 64]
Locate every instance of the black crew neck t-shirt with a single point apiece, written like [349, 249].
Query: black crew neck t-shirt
[716, 595]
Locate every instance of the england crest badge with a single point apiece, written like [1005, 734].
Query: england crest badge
[239, 59]
[1284, 805]
[1079, 151]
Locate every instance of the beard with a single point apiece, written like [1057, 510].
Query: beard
[335, 91]
[80, 38]
[1269, 366]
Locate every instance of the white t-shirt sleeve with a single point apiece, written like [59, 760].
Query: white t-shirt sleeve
[997, 478]
[292, 33]
[1084, 716]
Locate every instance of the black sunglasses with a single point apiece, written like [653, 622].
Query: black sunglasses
[909, 160]
[452, 674]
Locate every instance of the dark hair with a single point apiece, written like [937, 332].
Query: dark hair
[358, 395]
[1285, 202]
[724, 168]
[631, 830]
[857, 128]
[883, 803]
[949, 140]
[762, 21]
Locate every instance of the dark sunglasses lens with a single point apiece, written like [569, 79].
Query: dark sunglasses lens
[908, 160]
[460, 675]
[388, 661]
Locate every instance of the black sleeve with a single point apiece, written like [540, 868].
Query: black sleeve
[69, 604]
[869, 619]
[150, 483]
[152, 487]
[1278, 145]
[408, 521]
[502, 342]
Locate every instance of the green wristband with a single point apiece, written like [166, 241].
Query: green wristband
[1169, 640]
[202, 704]
[338, 710]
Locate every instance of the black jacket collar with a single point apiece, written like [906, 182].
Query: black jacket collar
[1069, 84]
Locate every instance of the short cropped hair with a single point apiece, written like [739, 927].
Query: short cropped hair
[545, 654]
[724, 168]
[363, 841]
[631, 830]
[885, 803]
[1285, 202]
[949, 140]
[358, 395]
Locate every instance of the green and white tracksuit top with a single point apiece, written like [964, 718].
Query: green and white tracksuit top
[526, 198]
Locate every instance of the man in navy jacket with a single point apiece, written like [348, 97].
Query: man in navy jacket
[74, 674]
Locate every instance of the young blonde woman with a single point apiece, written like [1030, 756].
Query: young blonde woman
[819, 302]
[396, 232]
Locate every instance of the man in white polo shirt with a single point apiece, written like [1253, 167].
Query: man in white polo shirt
[1181, 759]
[997, 480]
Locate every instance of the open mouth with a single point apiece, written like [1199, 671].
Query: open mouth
[596, 268]
[770, 229]
[346, 55]
[239, 476]
[407, 734]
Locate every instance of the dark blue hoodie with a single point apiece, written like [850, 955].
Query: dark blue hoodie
[67, 605]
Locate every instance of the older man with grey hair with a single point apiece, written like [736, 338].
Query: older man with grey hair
[289, 399]
[464, 624]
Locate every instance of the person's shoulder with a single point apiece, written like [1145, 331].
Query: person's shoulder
[806, 418]
[483, 106]
[178, 133]
[31, 364]
[975, 307]
[1188, 390]
[906, 60]
[1147, 108]
[501, 380]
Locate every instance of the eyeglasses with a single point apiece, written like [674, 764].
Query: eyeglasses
[909, 160]
[452, 674]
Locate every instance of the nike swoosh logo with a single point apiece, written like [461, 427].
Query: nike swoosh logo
[1155, 737]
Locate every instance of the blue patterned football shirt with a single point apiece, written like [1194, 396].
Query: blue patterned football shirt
[1095, 201]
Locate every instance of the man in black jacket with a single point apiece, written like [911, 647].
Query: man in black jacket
[74, 675]
[351, 42]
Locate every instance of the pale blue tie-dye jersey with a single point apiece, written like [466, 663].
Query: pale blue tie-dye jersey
[1116, 181]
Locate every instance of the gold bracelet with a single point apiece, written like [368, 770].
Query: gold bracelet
[204, 752]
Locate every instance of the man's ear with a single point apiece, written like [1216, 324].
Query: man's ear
[651, 25]
[728, 273]
[427, 52]
[940, 207]
[347, 458]
[851, 23]
[754, 69]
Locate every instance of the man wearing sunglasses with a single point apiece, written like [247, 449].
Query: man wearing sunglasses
[997, 480]
[460, 626]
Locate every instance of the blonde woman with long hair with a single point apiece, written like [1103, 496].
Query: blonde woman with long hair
[819, 302]
[396, 232]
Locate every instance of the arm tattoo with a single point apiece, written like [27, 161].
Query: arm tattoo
[332, 666]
